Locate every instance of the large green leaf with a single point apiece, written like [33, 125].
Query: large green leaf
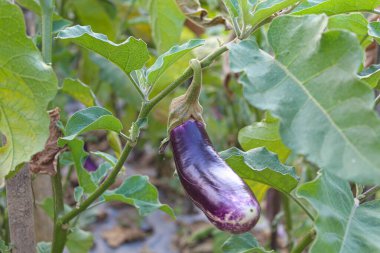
[265, 9]
[128, 55]
[27, 85]
[342, 224]
[353, 22]
[170, 57]
[311, 85]
[167, 22]
[244, 243]
[89, 119]
[333, 7]
[137, 191]
[79, 91]
[260, 165]
[264, 134]
[95, 14]
[79, 241]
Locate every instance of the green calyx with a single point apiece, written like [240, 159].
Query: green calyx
[187, 106]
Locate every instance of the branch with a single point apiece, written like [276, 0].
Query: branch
[304, 243]
[47, 7]
[145, 110]
[300, 204]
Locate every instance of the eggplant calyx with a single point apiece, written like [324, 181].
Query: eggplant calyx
[187, 106]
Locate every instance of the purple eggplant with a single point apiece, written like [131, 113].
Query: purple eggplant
[211, 184]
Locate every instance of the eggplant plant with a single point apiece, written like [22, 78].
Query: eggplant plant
[290, 94]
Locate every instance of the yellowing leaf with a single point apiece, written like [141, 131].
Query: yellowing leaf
[27, 85]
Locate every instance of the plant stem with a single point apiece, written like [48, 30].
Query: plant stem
[376, 102]
[137, 87]
[67, 178]
[147, 106]
[288, 219]
[301, 205]
[186, 75]
[364, 196]
[47, 7]
[304, 243]
[60, 232]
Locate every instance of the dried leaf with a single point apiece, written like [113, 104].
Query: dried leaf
[193, 10]
[45, 162]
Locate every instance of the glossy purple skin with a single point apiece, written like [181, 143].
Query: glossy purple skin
[211, 184]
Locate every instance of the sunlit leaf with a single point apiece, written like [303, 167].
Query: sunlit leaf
[79, 91]
[167, 22]
[95, 14]
[89, 119]
[138, 192]
[311, 86]
[166, 60]
[262, 166]
[342, 224]
[27, 85]
[264, 134]
[265, 9]
[334, 7]
[353, 22]
[128, 55]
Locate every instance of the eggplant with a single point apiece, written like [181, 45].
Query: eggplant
[210, 183]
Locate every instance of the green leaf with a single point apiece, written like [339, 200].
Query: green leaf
[371, 75]
[311, 86]
[262, 166]
[137, 191]
[79, 91]
[84, 178]
[353, 22]
[95, 14]
[244, 243]
[342, 224]
[89, 119]
[101, 172]
[167, 22]
[48, 206]
[27, 85]
[170, 57]
[128, 55]
[374, 30]
[79, 241]
[106, 157]
[334, 7]
[4, 248]
[43, 247]
[264, 134]
[265, 9]
[239, 10]
[78, 193]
